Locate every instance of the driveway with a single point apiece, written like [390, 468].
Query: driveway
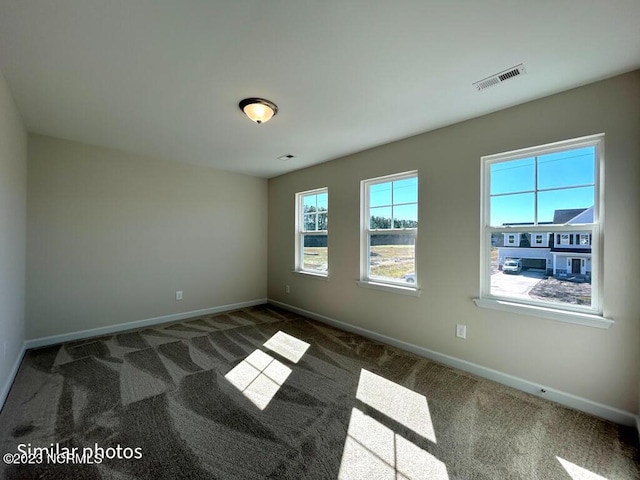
[515, 285]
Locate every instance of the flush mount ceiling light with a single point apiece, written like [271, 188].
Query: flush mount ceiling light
[258, 109]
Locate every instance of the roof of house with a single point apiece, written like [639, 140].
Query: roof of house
[585, 217]
[565, 215]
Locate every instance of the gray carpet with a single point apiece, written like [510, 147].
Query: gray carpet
[261, 393]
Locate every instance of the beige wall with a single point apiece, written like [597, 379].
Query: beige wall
[13, 211]
[601, 365]
[112, 236]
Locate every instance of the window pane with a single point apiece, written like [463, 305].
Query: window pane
[323, 202]
[309, 203]
[392, 257]
[512, 209]
[560, 275]
[310, 223]
[523, 278]
[405, 191]
[322, 221]
[561, 206]
[315, 253]
[405, 216]
[513, 176]
[568, 168]
[380, 194]
[380, 217]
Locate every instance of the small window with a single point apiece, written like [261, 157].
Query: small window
[539, 239]
[312, 230]
[555, 191]
[512, 240]
[389, 229]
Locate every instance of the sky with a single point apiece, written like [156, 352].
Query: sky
[398, 198]
[565, 180]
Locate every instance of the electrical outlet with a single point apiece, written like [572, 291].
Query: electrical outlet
[179, 295]
[461, 331]
[287, 289]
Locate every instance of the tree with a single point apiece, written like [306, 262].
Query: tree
[377, 222]
[314, 218]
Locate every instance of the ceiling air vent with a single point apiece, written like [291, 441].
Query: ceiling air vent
[500, 77]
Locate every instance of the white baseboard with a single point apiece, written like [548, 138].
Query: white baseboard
[97, 332]
[12, 375]
[603, 411]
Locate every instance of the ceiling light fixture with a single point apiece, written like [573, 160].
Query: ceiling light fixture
[258, 109]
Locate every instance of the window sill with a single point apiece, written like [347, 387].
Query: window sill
[412, 291]
[579, 318]
[319, 276]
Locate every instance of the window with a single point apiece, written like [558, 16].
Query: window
[389, 230]
[512, 239]
[312, 220]
[539, 239]
[552, 190]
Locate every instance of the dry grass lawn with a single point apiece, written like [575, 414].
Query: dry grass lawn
[316, 258]
[392, 261]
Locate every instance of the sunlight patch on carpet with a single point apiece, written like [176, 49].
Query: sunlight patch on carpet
[288, 346]
[578, 473]
[405, 406]
[259, 377]
[373, 450]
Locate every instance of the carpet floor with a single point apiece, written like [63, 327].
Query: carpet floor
[262, 393]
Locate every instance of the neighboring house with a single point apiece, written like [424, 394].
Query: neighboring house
[560, 254]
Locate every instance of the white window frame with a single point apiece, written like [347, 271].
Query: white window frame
[585, 315]
[301, 233]
[365, 232]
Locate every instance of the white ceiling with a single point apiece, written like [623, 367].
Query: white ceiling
[164, 77]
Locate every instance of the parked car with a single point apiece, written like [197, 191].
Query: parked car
[409, 278]
[513, 265]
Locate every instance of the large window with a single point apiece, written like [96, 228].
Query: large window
[553, 193]
[312, 224]
[389, 230]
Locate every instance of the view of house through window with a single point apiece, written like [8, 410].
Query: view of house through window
[541, 215]
[390, 212]
[312, 219]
